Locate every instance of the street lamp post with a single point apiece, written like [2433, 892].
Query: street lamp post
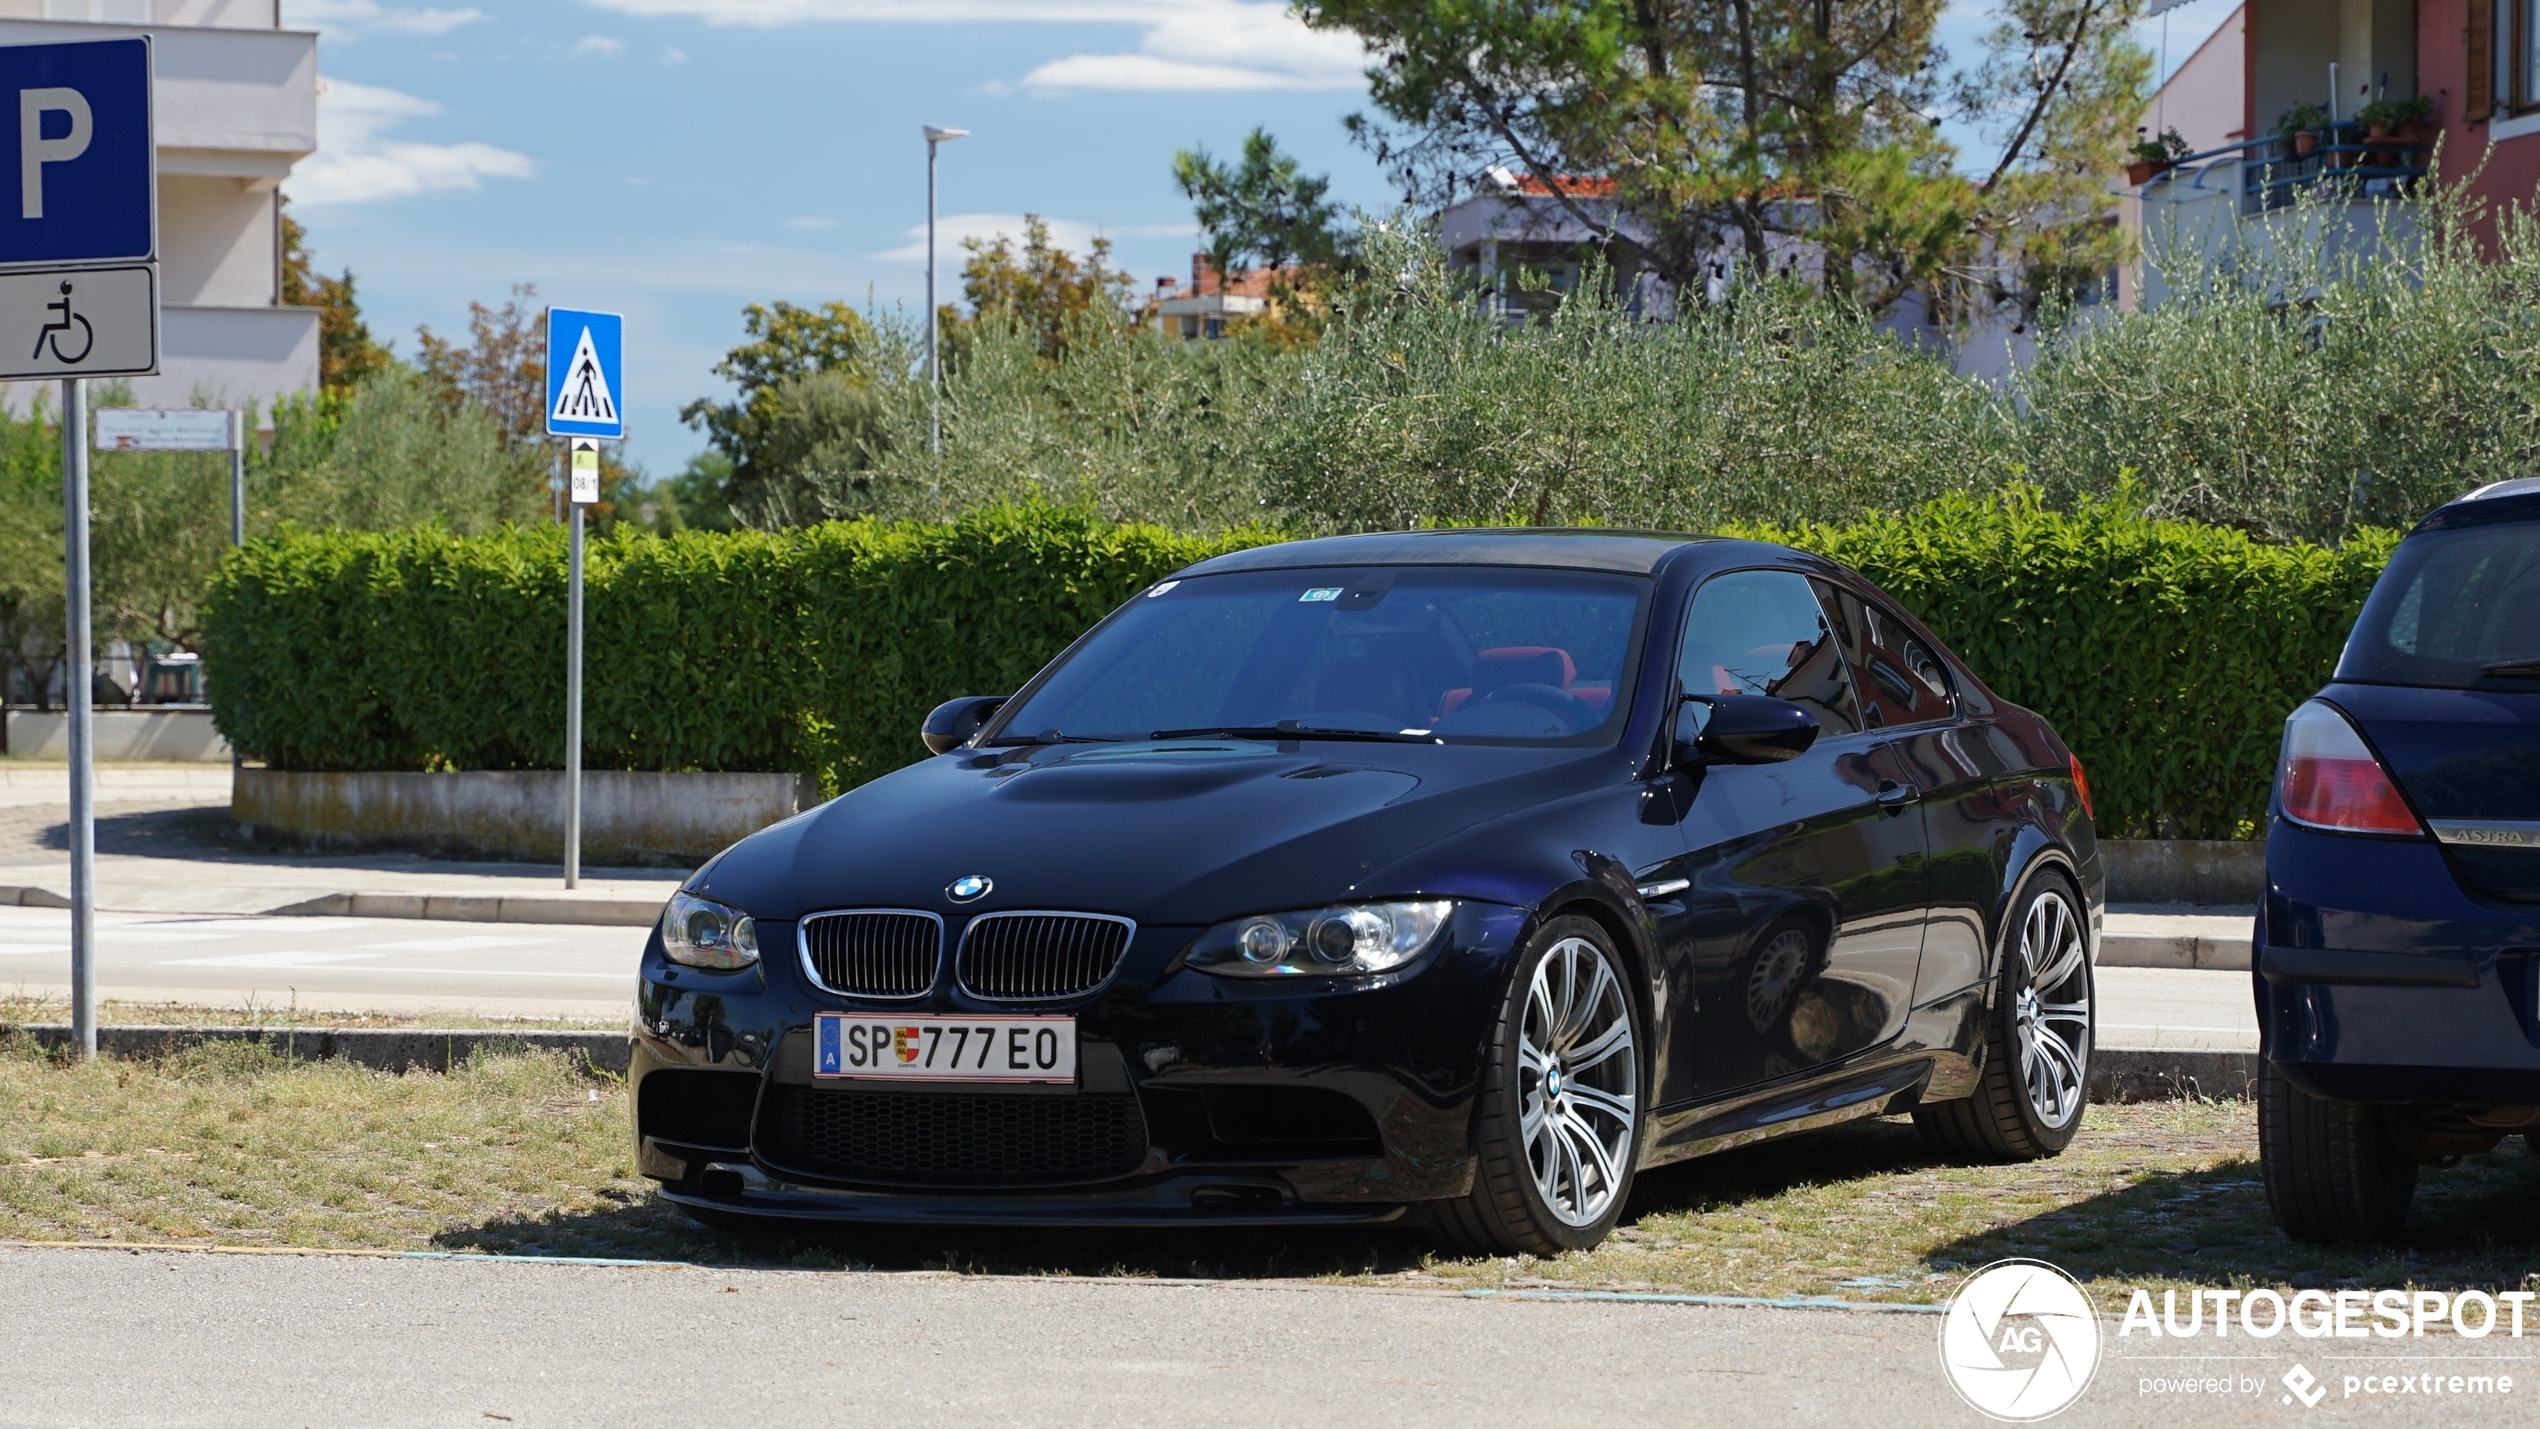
[934, 347]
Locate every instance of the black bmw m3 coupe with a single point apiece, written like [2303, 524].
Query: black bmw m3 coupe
[1455, 875]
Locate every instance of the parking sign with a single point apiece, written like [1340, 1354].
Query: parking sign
[87, 185]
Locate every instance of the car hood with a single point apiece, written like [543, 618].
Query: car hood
[1163, 832]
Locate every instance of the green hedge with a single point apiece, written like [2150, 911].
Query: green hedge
[816, 650]
[2167, 653]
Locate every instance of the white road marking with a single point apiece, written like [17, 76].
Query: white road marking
[277, 959]
[462, 945]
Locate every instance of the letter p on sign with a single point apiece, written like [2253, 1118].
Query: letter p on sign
[35, 151]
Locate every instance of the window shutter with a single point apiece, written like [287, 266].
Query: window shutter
[2481, 98]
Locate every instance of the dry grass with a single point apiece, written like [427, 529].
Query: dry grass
[233, 1146]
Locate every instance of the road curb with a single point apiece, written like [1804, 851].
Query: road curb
[481, 908]
[450, 907]
[389, 1049]
[2168, 950]
[2128, 1075]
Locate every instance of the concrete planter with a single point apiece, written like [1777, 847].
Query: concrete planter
[153, 734]
[627, 818]
[2185, 870]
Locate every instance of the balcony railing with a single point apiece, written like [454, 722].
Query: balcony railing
[2268, 173]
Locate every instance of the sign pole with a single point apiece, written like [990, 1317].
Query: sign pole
[585, 374]
[76, 703]
[238, 478]
[573, 707]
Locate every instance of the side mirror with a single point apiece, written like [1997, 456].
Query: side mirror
[955, 723]
[1742, 729]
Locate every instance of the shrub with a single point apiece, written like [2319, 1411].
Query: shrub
[2167, 653]
[816, 650]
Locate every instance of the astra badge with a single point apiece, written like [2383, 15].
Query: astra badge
[969, 888]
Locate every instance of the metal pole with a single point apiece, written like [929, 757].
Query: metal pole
[75, 637]
[237, 530]
[934, 383]
[238, 478]
[573, 706]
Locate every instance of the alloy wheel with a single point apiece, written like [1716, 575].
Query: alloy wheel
[1578, 1076]
[2052, 1012]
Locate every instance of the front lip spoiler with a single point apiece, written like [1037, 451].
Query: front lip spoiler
[1160, 1204]
[2347, 966]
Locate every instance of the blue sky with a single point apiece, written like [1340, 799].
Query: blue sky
[675, 159]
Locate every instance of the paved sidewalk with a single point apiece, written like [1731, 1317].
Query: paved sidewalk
[165, 845]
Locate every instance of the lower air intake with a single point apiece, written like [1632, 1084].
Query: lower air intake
[938, 1138]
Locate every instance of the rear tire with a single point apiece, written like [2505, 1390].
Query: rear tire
[1559, 1120]
[2037, 1041]
[2333, 1170]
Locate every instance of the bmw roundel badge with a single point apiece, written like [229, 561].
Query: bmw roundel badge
[969, 888]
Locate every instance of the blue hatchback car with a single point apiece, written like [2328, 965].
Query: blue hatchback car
[2400, 937]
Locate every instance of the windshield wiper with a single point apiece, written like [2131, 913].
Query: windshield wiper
[1290, 729]
[2526, 668]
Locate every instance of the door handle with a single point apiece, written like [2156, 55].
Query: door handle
[1664, 887]
[1896, 798]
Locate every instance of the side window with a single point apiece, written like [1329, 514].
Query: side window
[1902, 681]
[1763, 633]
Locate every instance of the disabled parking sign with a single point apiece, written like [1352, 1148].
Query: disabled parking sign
[79, 241]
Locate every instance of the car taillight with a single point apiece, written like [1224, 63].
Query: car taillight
[2330, 780]
[2081, 786]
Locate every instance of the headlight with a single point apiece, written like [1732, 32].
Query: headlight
[704, 934]
[1322, 942]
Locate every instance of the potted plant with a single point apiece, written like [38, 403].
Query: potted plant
[2300, 127]
[2154, 157]
[2404, 120]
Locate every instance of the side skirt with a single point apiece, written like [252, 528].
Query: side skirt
[1779, 1111]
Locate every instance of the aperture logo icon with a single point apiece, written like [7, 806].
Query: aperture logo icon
[2020, 1341]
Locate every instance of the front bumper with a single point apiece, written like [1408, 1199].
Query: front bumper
[2379, 979]
[1256, 1102]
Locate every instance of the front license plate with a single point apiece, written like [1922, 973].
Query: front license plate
[930, 1048]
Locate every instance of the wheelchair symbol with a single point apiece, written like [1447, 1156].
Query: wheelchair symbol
[51, 336]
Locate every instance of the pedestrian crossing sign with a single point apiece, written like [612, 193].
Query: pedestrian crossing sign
[585, 386]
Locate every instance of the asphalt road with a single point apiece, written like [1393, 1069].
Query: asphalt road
[564, 970]
[123, 1338]
[400, 965]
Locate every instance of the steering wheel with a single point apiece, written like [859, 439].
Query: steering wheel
[1577, 713]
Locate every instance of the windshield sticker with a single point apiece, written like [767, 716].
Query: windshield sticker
[1322, 592]
[1159, 590]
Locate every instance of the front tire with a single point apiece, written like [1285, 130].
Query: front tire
[1560, 1106]
[2333, 1171]
[2038, 1038]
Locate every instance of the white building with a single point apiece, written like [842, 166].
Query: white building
[236, 108]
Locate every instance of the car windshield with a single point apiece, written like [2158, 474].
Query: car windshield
[2456, 608]
[1450, 653]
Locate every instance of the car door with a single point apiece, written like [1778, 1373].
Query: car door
[1955, 770]
[1805, 905]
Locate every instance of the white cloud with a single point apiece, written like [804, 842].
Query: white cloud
[342, 19]
[674, 55]
[357, 162]
[598, 45]
[1186, 44]
[952, 228]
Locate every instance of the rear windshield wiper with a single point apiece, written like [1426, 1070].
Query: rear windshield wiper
[1290, 729]
[2526, 668]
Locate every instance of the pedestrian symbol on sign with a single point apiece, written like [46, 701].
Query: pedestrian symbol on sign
[584, 374]
[584, 397]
